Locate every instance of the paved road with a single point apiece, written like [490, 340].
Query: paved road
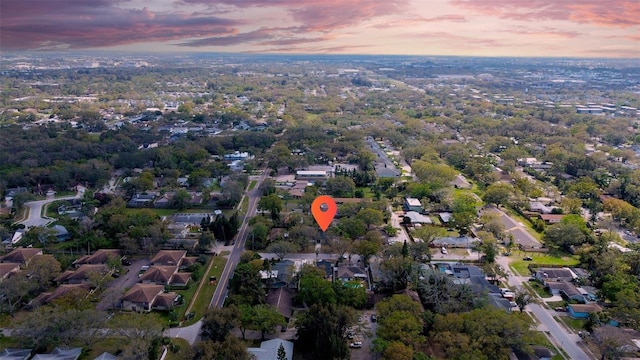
[191, 332]
[559, 335]
[513, 227]
[35, 209]
[382, 161]
[221, 290]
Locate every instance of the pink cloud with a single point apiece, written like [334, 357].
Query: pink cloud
[543, 31]
[616, 13]
[29, 24]
[320, 15]
[417, 20]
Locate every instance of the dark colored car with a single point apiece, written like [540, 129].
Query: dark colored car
[527, 258]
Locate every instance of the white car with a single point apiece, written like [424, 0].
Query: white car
[443, 250]
[356, 344]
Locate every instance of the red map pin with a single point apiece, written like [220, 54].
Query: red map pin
[324, 209]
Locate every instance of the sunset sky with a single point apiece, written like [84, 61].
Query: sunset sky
[576, 28]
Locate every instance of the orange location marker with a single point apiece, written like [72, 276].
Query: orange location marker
[324, 209]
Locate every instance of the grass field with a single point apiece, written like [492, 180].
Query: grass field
[178, 349]
[206, 292]
[521, 266]
[574, 324]
[252, 185]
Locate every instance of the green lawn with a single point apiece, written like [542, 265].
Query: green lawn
[206, 292]
[252, 185]
[574, 324]
[541, 259]
[178, 349]
[539, 289]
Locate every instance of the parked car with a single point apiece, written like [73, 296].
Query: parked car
[561, 309]
[443, 250]
[374, 318]
[527, 258]
[356, 344]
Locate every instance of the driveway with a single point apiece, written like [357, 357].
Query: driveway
[365, 332]
[401, 235]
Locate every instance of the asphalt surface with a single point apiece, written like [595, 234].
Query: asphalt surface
[382, 161]
[35, 209]
[559, 335]
[511, 226]
[220, 293]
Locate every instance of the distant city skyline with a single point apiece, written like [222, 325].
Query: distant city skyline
[555, 28]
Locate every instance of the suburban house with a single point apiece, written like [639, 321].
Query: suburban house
[412, 204]
[582, 311]
[350, 273]
[444, 217]
[554, 274]
[83, 274]
[106, 356]
[195, 219]
[7, 269]
[15, 354]
[62, 290]
[567, 290]
[61, 233]
[454, 242]
[20, 256]
[550, 219]
[312, 175]
[282, 300]
[414, 217]
[268, 350]
[101, 256]
[147, 297]
[141, 200]
[168, 257]
[60, 354]
[460, 182]
[165, 275]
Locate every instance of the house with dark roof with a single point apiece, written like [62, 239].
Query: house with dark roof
[158, 274]
[101, 256]
[21, 256]
[62, 290]
[554, 274]
[567, 290]
[282, 300]
[8, 269]
[351, 273]
[168, 257]
[460, 182]
[83, 274]
[147, 297]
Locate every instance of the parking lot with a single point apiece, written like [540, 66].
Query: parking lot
[116, 287]
[364, 332]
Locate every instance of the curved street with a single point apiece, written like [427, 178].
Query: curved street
[35, 218]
